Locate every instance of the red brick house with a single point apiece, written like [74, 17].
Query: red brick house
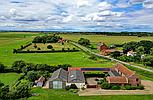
[104, 49]
[121, 75]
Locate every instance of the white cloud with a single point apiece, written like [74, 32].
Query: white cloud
[104, 6]
[81, 3]
[148, 4]
[68, 18]
[90, 15]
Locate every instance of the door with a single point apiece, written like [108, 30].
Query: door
[57, 85]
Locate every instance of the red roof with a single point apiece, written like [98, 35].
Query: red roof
[69, 69]
[117, 79]
[127, 72]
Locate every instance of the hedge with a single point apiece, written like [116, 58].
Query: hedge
[49, 51]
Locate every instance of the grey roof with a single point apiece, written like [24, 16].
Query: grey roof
[59, 74]
[76, 76]
[113, 73]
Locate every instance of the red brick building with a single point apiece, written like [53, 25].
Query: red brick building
[121, 75]
[104, 49]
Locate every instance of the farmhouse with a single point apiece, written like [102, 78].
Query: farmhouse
[104, 49]
[61, 78]
[118, 75]
[121, 75]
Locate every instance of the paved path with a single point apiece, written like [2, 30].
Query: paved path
[94, 91]
[108, 57]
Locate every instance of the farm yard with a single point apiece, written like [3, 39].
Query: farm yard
[12, 40]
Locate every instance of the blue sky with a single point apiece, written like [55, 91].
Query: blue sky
[77, 15]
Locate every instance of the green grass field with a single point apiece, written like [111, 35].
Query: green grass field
[106, 39]
[10, 41]
[9, 78]
[65, 95]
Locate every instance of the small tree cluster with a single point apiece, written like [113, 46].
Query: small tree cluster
[84, 42]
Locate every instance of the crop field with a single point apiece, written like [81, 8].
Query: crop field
[56, 46]
[9, 78]
[49, 94]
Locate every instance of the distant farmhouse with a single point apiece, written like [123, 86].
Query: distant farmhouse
[118, 75]
[104, 49]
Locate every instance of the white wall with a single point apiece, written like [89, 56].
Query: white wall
[79, 85]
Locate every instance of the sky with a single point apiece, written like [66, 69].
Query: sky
[77, 15]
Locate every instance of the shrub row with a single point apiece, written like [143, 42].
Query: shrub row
[21, 48]
[49, 51]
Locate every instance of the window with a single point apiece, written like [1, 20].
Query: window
[137, 79]
[57, 85]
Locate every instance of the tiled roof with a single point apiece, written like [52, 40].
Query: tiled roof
[127, 72]
[76, 76]
[60, 73]
[117, 79]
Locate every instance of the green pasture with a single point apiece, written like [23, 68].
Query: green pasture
[76, 59]
[106, 39]
[49, 94]
[9, 78]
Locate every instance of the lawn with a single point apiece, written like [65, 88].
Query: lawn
[49, 94]
[9, 78]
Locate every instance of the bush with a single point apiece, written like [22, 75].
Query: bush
[84, 42]
[74, 90]
[105, 85]
[38, 49]
[2, 67]
[93, 57]
[115, 87]
[141, 87]
[49, 47]
[63, 49]
[73, 48]
[35, 46]
[67, 88]
[128, 87]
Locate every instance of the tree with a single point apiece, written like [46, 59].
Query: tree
[115, 54]
[49, 47]
[4, 92]
[32, 76]
[2, 67]
[129, 46]
[147, 45]
[84, 42]
[148, 60]
[18, 65]
[21, 91]
[151, 52]
[140, 50]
